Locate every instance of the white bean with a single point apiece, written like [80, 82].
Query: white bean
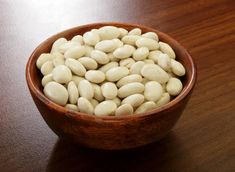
[148, 61]
[108, 66]
[51, 91]
[174, 86]
[134, 100]
[146, 42]
[97, 92]
[61, 74]
[68, 45]
[77, 79]
[116, 73]
[88, 50]
[78, 39]
[155, 73]
[130, 39]
[147, 106]
[166, 48]
[57, 44]
[151, 35]
[109, 32]
[129, 79]
[123, 32]
[153, 91]
[75, 52]
[163, 100]
[47, 68]
[44, 57]
[73, 92]
[58, 59]
[86, 89]
[124, 110]
[107, 107]
[177, 68]
[112, 58]
[71, 107]
[85, 106]
[107, 46]
[136, 67]
[135, 31]
[46, 79]
[94, 102]
[127, 62]
[164, 61]
[75, 66]
[109, 90]
[116, 100]
[91, 38]
[95, 76]
[88, 63]
[141, 53]
[153, 55]
[129, 89]
[100, 57]
[118, 42]
[124, 52]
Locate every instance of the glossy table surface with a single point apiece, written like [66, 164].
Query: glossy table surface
[202, 140]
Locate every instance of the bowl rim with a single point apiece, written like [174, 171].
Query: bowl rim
[79, 115]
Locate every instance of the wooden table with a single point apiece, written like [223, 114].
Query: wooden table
[202, 140]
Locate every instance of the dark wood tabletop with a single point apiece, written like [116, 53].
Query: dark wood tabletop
[202, 140]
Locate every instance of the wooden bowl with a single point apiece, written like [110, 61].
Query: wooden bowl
[110, 132]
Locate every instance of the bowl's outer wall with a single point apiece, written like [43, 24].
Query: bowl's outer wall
[101, 134]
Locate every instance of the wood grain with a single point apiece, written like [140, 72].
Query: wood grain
[203, 139]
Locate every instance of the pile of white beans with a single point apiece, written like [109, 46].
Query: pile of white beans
[111, 71]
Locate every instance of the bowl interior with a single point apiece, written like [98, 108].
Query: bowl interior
[34, 76]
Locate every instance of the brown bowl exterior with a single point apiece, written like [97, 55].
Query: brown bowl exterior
[110, 132]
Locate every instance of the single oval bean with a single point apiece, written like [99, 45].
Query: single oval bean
[123, 32]
[44, 57]
[95, 76]
[85, 106]
[109, 90]
[46, 79]
[134, 100]
[166, 48]
[141, 53]
[108, 66]
[78, 39]
[163, 100]
[86, 89]
[91, 38]
[47, 68]
[73, 92]
[51, 91]
[117, 101]
[147, 106]
[57, 44]
[153, 55]
[116, 73]
[97, 92]
[75, 66]
[124, 52]
[75, 52]
[151, 35]
[88, 63]
[129, 89]
[77, 79]
[107, 46]
[136, 67]
[177, 68]
[107, 107]
[135, 31]
[71, 107]
[174, 86]
[100, 57]
[129, 79]
[146, 42]
[155, 73]
[62, 74]
[164, 61]
[130, 39]
[58, 59]
[124, 110]
[153, 91]
[108, 32]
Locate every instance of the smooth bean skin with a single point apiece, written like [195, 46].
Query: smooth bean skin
[129, 79]
[100, 57]
[137, 67]
[108, 32]
[135, 31]
[88, 63]
[147, 106]
[71, 107]
[61, 74]
[153, 91]
[47, 68]
[151, 35]
[108, 66]
[46, 79]
[95, 76]
[107, 46]
[116, 73]
[163, 100]
[78, 39]
[75, 52]
[85, 106]
[124, 110]
[107, 107]
[75, 66]
[129, 89]
[109, 90]
[154, 73]
[134, 100]
[146, 42]
[91, 38]
[73, 92]
[174, 86]
[164, 61]
[44, 57]
[141, 53]
[166, 48]
[86, 89]
[127, 62]
[51, 91]
[130, 39]
[177, 68]
[124, 52]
